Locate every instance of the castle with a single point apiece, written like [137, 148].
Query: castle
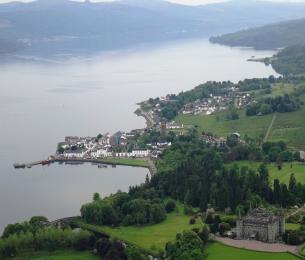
[260, 224]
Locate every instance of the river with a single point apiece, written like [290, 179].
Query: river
[44, 99]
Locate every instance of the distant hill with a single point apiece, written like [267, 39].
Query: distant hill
[267, 37]
[62, 25]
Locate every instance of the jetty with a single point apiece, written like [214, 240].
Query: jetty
[31, 164]
[99, 162]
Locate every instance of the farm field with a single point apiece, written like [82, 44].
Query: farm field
[290, 127]
[216, 251]
[253, 126]
[152, 238]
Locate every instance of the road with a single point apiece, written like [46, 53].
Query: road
[270, 127]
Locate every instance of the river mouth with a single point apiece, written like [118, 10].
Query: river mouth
[41, 102]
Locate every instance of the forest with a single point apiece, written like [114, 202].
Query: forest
[290, 61]
[198, 175]
[273, 36]
[281, 104]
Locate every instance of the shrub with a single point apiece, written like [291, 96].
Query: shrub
[293, 238]
[188, 210]
[110, 250]
[229, 219]
[209, 219]
[192, 220]
[170, 206]
[223, 227]
[204, 234]
[82, 240]
[134, 254]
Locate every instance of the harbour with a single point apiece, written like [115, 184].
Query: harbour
[100, 163]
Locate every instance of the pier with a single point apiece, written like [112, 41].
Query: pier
[99, 162]
[31, 164]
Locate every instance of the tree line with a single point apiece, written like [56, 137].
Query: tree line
[281, 104]
[137, 207]
[201, 178]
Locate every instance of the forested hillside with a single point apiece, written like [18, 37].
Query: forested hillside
[62, 25]
[289, 61]
[267, 37]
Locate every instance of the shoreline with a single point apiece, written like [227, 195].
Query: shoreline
[113, 161]
[148, 121]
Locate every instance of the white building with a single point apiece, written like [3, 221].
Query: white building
[140, 153]
[74, 154]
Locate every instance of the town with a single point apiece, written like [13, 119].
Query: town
[118, 145]
[163, 109]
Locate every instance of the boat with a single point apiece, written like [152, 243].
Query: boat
[45, 162]
[19, 166]
[102, 166]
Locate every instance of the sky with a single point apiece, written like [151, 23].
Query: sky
[187, 2]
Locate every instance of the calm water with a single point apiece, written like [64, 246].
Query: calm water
[43, 100]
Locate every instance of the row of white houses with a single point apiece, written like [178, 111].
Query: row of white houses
[139, 153]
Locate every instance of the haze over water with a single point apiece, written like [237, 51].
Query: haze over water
[43, 100]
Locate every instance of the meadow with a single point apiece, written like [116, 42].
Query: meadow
[290, 127]
[255, 126]
[151, 238]
[274, 173]
[217, 251]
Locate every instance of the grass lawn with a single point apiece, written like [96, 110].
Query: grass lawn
[217, 251]
[58, 255]
[126, 161]
[291, 226]
[284, 174]
[154, 237]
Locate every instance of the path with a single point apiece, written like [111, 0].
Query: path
[270, 127]
[152, 167]
[296, 212]
[257, 245]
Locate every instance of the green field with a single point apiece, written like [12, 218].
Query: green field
[283, 175]
[291, 226]
[217, 251]
[281, 89]
[58, 255]
[126, 161]
[255, 126]
[290, 127]
[152, 238]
